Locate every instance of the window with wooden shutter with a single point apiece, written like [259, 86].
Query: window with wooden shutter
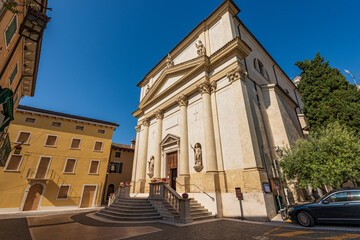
[63, 192]
[75, 143]
[56, 124]
[13, 74]
[14, 162]
[98, 146]
[11, 30]
[70, 165]
[94, 167]
[51, 140]
[23, 137]
[79, 128]
[30, 120]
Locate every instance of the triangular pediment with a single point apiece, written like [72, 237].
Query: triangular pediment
[171, 78]
[169, 139]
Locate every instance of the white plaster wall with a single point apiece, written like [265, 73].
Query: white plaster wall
[171, 125]
[206, 201]
[229, 132]
[170, 82]
[216, 36]
[189, 53]
[195, 129]
[227, 63]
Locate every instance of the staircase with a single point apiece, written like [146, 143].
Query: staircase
[198, 212]
[130, 209]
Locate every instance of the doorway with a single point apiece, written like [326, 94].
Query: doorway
[110, 190]
[33, 197]
[171, 159]
[87, 199]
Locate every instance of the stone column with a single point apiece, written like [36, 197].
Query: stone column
[157, 163]
[183, 178]
[141, 173]
[211, 165]
[134, 169]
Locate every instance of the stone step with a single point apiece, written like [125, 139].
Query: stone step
[127, 218]
[132, 200]
[201, 214]
[200, 218]
[141, 215]
[130, 210]
[131, 204]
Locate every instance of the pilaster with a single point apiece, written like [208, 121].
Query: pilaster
[133, 173]
[157, 164]
[141, 175]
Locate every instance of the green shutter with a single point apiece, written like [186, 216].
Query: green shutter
[11, 30]
[13, 74]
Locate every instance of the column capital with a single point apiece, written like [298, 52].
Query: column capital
[237, 74]
[182, 100]
[204, 87]
[146, 122]
[137, 128]
[159, 114]
[213, 87]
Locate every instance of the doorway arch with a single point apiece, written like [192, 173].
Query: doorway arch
[33, 196]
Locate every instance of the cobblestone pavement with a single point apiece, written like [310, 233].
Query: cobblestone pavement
[82, 226]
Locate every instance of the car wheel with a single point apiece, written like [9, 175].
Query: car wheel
[305, 219]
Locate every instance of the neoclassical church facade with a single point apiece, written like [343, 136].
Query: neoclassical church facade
[211, 115]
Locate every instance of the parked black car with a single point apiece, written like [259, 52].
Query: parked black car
[339, 206]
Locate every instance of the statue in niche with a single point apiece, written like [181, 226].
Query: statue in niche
[200, 48]
[198, 157]
[169, 61]
[151, 167]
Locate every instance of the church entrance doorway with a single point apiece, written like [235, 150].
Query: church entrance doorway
[171, 159]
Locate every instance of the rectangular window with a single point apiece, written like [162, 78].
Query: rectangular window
[98, 146]
[115, 167]
[75, 143]
[11, 30]
[80, 128]
[51, 140]
[23, 137]
[30, 120]
[94, 167]
[63, 191]
[13, 74]
[56, 124]
[117, 154]
[70, 165]
[101, 131]
[14, 162]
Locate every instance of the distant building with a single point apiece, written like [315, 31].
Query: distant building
[20, 46]
[62, 163]
[119, 166]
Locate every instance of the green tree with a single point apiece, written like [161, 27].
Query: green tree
[329, 156]
[327, 95]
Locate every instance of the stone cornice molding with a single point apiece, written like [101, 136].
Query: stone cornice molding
[146, 122]
[204, 87]
[159, 114]
[182, 100]
[237, 74]
[137, 128]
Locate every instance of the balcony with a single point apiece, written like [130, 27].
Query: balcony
[5, 148]
[39, 174]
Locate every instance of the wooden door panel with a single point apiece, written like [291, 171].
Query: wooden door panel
[43, 167]
[88, 196]
[33, 197]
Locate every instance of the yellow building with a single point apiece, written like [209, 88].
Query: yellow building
[21, 33]
[62, 163]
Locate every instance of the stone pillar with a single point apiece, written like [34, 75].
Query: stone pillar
[141, 173]
[157, 163]
[211, 165]
[184, 175]
[134, 169]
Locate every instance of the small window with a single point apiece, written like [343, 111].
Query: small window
[115, 167]
[14, 162]
[354, 196]
[94, 167]
[70, 165]
[261, 68]
[79, 128]
[51, 141]
[63, 191]
[11, 30]
[23, 137]
[56, 124]
[98, 146]
[101, 131]
[75, 143]
[338, 197]
[30, 120]
[13, 74]
[117, 154]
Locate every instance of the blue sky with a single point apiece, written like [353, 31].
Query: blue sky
[95, 52]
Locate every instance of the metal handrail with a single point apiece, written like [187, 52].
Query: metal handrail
[212, 198]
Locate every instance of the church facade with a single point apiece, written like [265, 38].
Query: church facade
[212, 114]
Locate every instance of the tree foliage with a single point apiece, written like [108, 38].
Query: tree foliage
[329, 156]
[327, 95]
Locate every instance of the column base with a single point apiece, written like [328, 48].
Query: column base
[183, 184]
[139, 186]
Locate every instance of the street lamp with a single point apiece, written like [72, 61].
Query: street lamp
[353, 77]
[34, 24]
